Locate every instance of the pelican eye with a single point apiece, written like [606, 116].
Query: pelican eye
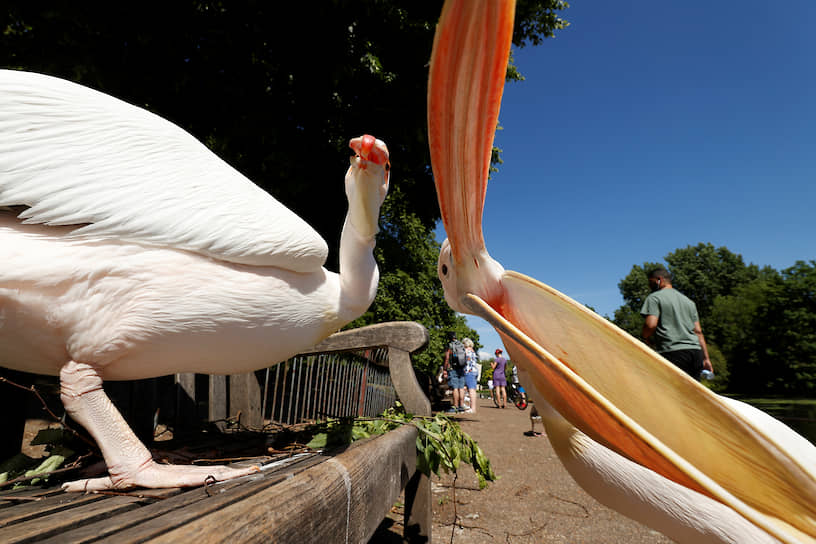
[444, 270]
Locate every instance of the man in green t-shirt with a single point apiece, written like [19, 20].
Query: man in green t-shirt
[672, 326]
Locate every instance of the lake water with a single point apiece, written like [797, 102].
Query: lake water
[798, 414]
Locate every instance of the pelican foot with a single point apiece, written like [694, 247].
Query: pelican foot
[156, 476]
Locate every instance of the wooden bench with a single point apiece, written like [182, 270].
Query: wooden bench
[328, 497]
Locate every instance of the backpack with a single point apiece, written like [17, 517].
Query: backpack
[457, 356]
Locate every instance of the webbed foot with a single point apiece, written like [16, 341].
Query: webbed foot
[157, 476]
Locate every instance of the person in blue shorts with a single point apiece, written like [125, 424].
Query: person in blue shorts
[456, 380]
[471, 373]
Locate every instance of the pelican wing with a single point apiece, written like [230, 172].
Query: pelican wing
[620, 393]
[75, 156]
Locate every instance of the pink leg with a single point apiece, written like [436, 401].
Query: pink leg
[129, 461]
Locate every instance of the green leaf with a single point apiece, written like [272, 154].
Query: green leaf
[318, 441]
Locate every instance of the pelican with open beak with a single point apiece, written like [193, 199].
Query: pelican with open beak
[633, 430]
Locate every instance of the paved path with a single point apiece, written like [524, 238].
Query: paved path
[534, 501]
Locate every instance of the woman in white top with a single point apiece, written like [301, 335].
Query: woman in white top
[471, 373]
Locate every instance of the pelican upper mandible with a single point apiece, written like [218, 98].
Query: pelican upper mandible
[128, 250]
[633, 430]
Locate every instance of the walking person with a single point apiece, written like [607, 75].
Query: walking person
[499, 379]
[455, 374]
[471, 373]
[672, 326]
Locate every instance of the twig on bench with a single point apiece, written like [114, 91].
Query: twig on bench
[112, 493]
[22, 499]
[265, 458]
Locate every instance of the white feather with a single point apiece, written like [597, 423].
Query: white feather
[75, 156]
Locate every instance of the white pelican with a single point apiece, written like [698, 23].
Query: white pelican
[139, 253]
[633, 430]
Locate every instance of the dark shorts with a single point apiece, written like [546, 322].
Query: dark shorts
[689, 361]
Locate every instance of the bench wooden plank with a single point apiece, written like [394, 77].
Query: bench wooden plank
[43, 507]
[156, 519]
[10, 497]
[56, 523]
[406, 335]
[341, 500]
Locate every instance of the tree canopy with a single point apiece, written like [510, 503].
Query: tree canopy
[277, 89]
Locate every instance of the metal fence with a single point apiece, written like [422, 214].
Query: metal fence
[317, 387]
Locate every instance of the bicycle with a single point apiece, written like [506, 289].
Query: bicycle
[515, 394]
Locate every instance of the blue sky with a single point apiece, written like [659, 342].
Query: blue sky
[648, 126]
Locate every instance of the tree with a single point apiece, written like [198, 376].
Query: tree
[767, 332]
[703, 273]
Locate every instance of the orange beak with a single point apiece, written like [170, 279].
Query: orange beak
[472, 44]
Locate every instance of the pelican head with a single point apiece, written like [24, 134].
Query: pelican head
[475, 272]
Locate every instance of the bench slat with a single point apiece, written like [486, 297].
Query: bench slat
[341, 500]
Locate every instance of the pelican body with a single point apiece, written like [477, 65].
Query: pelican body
[128, 250]
[633, 430]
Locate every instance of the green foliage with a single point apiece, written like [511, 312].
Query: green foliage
[441, 443]
[721, 370]
[703, 273]
[536, 20]
[629, 320]
[768, 329]
[487, 371]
